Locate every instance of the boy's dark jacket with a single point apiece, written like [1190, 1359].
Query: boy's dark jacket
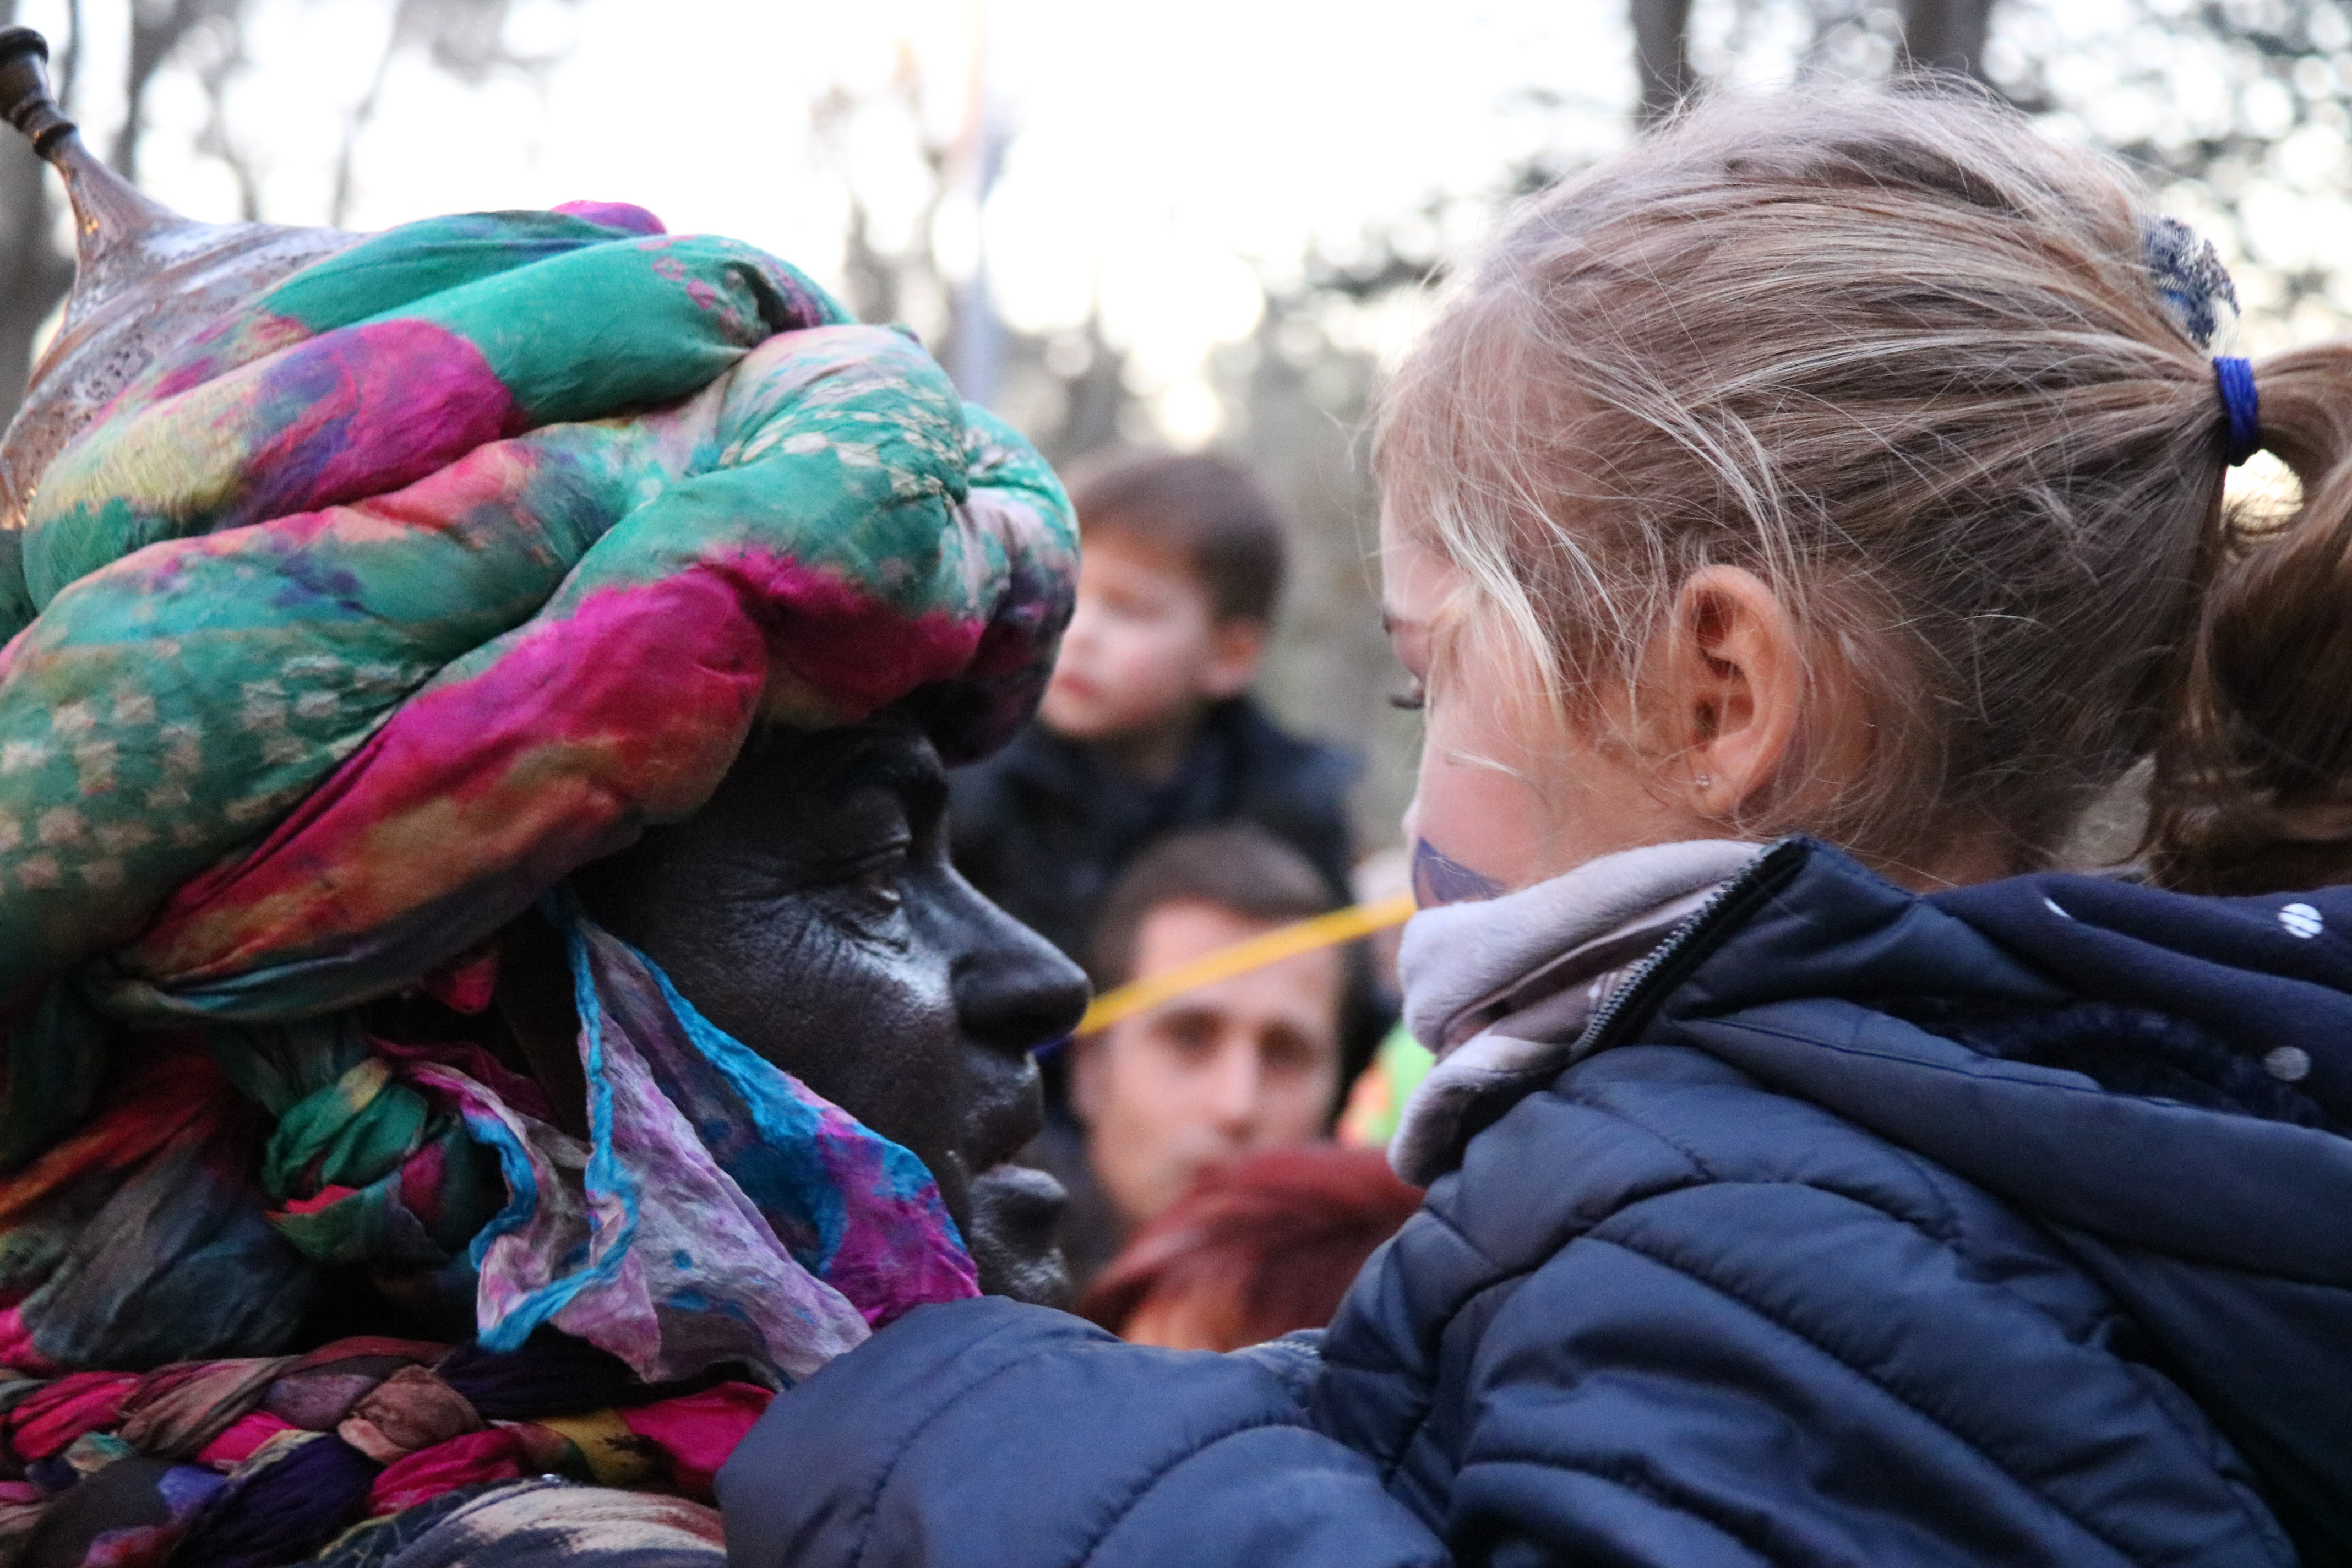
[1045, 826]
[1875, 1230]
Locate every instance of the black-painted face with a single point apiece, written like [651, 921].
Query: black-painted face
[809, 910]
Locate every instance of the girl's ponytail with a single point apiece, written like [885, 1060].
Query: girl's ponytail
[1947, 386]
[2253, 785]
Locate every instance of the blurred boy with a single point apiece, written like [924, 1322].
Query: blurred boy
[1148, 727]
[1251, 1062]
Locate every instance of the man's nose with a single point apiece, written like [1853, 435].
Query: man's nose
[1234, 1092]
[1013, 990]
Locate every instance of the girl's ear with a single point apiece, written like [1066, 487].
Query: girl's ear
[1736, 685]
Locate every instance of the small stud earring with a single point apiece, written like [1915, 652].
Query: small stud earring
[1703, 782]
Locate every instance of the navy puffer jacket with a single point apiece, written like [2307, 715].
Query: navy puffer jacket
[2009, 1225]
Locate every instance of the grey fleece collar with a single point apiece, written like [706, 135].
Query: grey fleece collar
[1501, 989]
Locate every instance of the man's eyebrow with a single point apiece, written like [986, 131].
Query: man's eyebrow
[914, 784]
[883, 761]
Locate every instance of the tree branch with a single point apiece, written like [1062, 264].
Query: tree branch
[1948, 34]
[1662, 57]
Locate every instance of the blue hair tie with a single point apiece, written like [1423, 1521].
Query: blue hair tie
[2235, 377]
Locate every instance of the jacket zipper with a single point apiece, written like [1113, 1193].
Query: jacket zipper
[1671, 962]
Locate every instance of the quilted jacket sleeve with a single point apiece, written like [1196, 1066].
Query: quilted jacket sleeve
[1736, 1331]
[1660, 1319]
[990, 1434]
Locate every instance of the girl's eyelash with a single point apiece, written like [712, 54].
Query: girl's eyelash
[1411, 701]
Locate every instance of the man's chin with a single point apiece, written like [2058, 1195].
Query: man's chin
[1016, 1217]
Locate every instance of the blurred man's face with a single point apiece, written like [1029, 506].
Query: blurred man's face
[1250, 1063]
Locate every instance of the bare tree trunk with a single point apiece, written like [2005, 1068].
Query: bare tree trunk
[1092, 399]
[153, 34]
[1662, 57]
[870, 278]
[33, 273]
[1948, 34]
[157, 29]
[362, 115]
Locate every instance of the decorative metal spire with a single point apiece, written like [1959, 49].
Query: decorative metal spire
[144, 278]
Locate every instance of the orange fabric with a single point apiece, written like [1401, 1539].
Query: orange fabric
[172, 1090]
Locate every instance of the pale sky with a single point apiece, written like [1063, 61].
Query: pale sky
[1162, 159]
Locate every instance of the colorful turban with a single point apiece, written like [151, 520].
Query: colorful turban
[346, 632]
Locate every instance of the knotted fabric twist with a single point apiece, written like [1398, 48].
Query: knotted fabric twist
[237, 1464]
[341, 636]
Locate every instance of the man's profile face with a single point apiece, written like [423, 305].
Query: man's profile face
[810, 911]
[1249, 1063]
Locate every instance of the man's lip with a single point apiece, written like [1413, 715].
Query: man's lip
[1015, 1234]
[1024, 1188]
[1013, 1117]
[997, 1153]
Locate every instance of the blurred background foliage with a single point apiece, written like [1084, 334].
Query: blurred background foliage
[2238, 112]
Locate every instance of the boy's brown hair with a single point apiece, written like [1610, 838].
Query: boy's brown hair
[1210, 510]
[1236, 865]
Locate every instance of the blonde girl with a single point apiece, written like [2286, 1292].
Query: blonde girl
[1792, 526]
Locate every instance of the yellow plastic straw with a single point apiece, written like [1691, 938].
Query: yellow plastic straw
[1289, 942]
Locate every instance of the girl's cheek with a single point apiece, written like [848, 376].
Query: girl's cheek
[1472, 827]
